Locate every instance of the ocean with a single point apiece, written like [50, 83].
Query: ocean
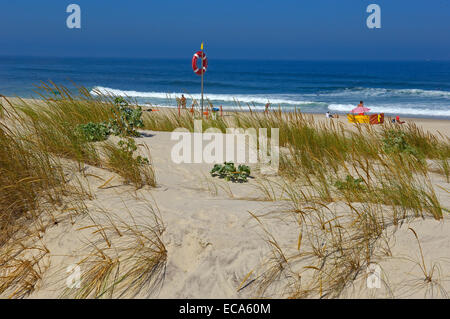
[419, 89]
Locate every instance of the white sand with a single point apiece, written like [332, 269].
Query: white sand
[212, 240]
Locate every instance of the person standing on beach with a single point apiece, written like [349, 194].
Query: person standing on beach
[361, 104]
[183, 101]
[267, 107]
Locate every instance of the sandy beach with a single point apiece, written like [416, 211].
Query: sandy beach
[434, 125]
[213, 242]
[215, 246]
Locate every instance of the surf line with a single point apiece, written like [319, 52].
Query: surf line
[191, 309]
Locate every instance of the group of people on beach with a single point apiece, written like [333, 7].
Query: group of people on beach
[182, 103]
[214, 110]
[328, 115]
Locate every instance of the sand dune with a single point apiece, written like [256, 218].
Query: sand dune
[213, 242]
[223, 239]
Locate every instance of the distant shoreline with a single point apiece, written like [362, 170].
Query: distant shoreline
[341, 114]
[423, 119]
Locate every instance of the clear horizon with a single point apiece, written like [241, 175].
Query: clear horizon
[222, 59]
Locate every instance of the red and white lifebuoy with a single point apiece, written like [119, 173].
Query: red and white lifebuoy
[197, 55]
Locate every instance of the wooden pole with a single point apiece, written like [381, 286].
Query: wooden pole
[202, 92]
[203, 54]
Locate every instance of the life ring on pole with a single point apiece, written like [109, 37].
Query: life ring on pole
[197, 55]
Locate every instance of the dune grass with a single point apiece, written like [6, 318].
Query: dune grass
[390, 159]
[126, 259]
[378, 186]
[390, 163]
[28, 175]
[136, 170]
[37, 138]
[379, 174]
[32, 182]
[168, 120]
[52, 123]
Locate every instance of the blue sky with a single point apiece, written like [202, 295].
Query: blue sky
[248, 29]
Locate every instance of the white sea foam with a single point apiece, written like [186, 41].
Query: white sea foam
[424, 93]
[252, 98]
[341, 107]
[290, 99]
[232, 101]
[382, 92]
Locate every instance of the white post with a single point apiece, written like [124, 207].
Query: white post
[203, 54]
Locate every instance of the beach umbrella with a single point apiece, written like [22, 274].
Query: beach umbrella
[360, 109]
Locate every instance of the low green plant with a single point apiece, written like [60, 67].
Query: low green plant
[128, 148]
[94, 132]
[395, 142]
[127, 120]
[229, 172]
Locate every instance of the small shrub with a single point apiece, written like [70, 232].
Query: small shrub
[93, 132]
[229, 172]
[395, 142]
[125, 123]
[127, 120]
[128, 148]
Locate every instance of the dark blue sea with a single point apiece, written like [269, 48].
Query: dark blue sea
[396, 88]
